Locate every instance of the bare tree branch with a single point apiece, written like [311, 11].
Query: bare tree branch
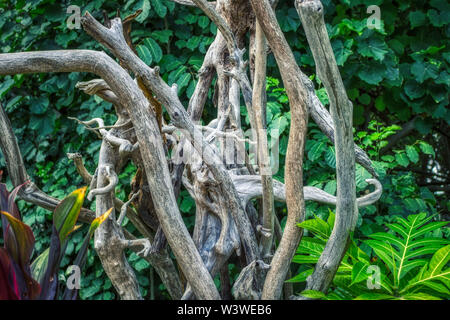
[159, 260]
[190, 3]
[259, 106]
[113, 39]
[311, 15]
[18, 174]
[250, 187]
[299, 99]
[149, 140]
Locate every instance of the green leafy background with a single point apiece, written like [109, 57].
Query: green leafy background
[394, 75]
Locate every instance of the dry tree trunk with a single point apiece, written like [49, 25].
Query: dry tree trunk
[341, 109]
[259, 107]
[297, 96]
[209, 161]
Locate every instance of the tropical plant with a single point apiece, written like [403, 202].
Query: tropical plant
[411, 264]
[396, 76]
[39, 280]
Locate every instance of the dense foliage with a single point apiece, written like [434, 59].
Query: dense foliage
[407, 263]
[396, 76]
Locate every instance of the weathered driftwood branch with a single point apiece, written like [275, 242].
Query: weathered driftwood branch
[259, 106]
[113, 39]
[110, 174]
[118, 204]
[159, 260]
[152, 151]
[18, 174]
[293, 78]
[221, 24]
[196, 105]
[124, 208]
[341, 109]
[109, 238]
[324, 121]
[116, 142]
[149, 140]
[250, 187]
[239, 66]
[299, 99]
[190, 3]
[225, 217]
[165, 268]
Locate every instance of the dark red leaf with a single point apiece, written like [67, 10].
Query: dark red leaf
[19, 243]
[49, 282]
[8, 285]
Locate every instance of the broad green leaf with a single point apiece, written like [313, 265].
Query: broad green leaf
[436, 286]
[187, 204]
[183, 80]
[304, 259]
[417, 18]
[5, 86]
[330, 157]
[372, 73]
[39, 265]
[424, 70]
[203, 21]
[66, 213]
[19, 240]
[393, 240]
[317, 148]
[386, 253]
[163, 36]
[145, 7]
[331, 219]
[439, 260]
[361, 175]
[359, 272]
[330, 187]
[193, 42]
[311, 246]
[430, 275]
[313, 294]
[302, 276]
[426, 148]
[373, 47]
[429, 227]
[354, 25]
[160, 8]
[280, 123]
[317, 226]
[402, 159]
[374, 296]
[414, 90]
[406, 251]
[174, 75]
[418, 296]
[438, 18]
[144, 54]
[342, 51]
[154, 48]
[412, 154]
